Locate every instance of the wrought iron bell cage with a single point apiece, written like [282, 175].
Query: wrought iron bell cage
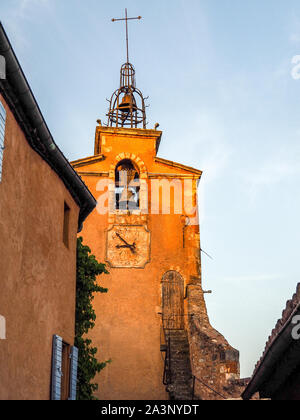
[127, 104]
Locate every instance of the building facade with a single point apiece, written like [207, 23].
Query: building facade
[153, 323]
[43, 204]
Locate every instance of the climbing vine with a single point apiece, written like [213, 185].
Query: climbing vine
[88, 268]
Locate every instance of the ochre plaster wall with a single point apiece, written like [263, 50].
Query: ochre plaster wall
[37, 271]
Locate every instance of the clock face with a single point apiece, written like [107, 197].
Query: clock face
[128, 246]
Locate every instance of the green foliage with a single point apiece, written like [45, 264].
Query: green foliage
[88, 268]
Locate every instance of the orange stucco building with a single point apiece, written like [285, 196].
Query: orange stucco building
[43, 203]
[153, 323]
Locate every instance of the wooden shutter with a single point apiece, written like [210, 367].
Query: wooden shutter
[56, 368]
[65, 368]
[2, 328]
[173, 301]
[73, 373]
[2, 134]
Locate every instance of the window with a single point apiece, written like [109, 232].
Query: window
[66, 224]
[64, 370]
[127, 186]
[2, 135]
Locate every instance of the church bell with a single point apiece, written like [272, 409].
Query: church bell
[128, 104]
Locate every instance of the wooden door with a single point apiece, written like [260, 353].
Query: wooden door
[173, 301]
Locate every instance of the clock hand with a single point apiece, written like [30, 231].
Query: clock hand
[123, 240]
[131, 247]
[127, 245]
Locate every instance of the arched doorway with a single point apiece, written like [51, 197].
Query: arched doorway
[173, 301]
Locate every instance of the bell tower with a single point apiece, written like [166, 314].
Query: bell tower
[153, 323]
[127, 104]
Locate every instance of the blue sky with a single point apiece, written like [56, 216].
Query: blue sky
[218, 74]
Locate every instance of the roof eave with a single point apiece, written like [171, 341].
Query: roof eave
[274, 352]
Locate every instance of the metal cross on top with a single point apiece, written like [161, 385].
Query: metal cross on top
[126, 20]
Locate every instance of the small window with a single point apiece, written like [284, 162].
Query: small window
[64, 370]
[2, 135]
[66, 227]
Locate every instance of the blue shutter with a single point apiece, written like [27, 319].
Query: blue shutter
[56, 368]
[73, 373]
[2, 134]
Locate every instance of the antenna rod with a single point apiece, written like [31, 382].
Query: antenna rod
[206, 254]
[127, 35]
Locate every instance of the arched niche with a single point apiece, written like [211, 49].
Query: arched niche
[140, 167]
[127, 186]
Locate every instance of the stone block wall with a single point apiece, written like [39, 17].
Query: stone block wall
[214, 362]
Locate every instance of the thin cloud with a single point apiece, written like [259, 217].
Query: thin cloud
[274, 172]
[270, 173]
[209, 130]
[295, 38]
[23, 10]
[208, 135]
[246, 279]
[26, 7]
